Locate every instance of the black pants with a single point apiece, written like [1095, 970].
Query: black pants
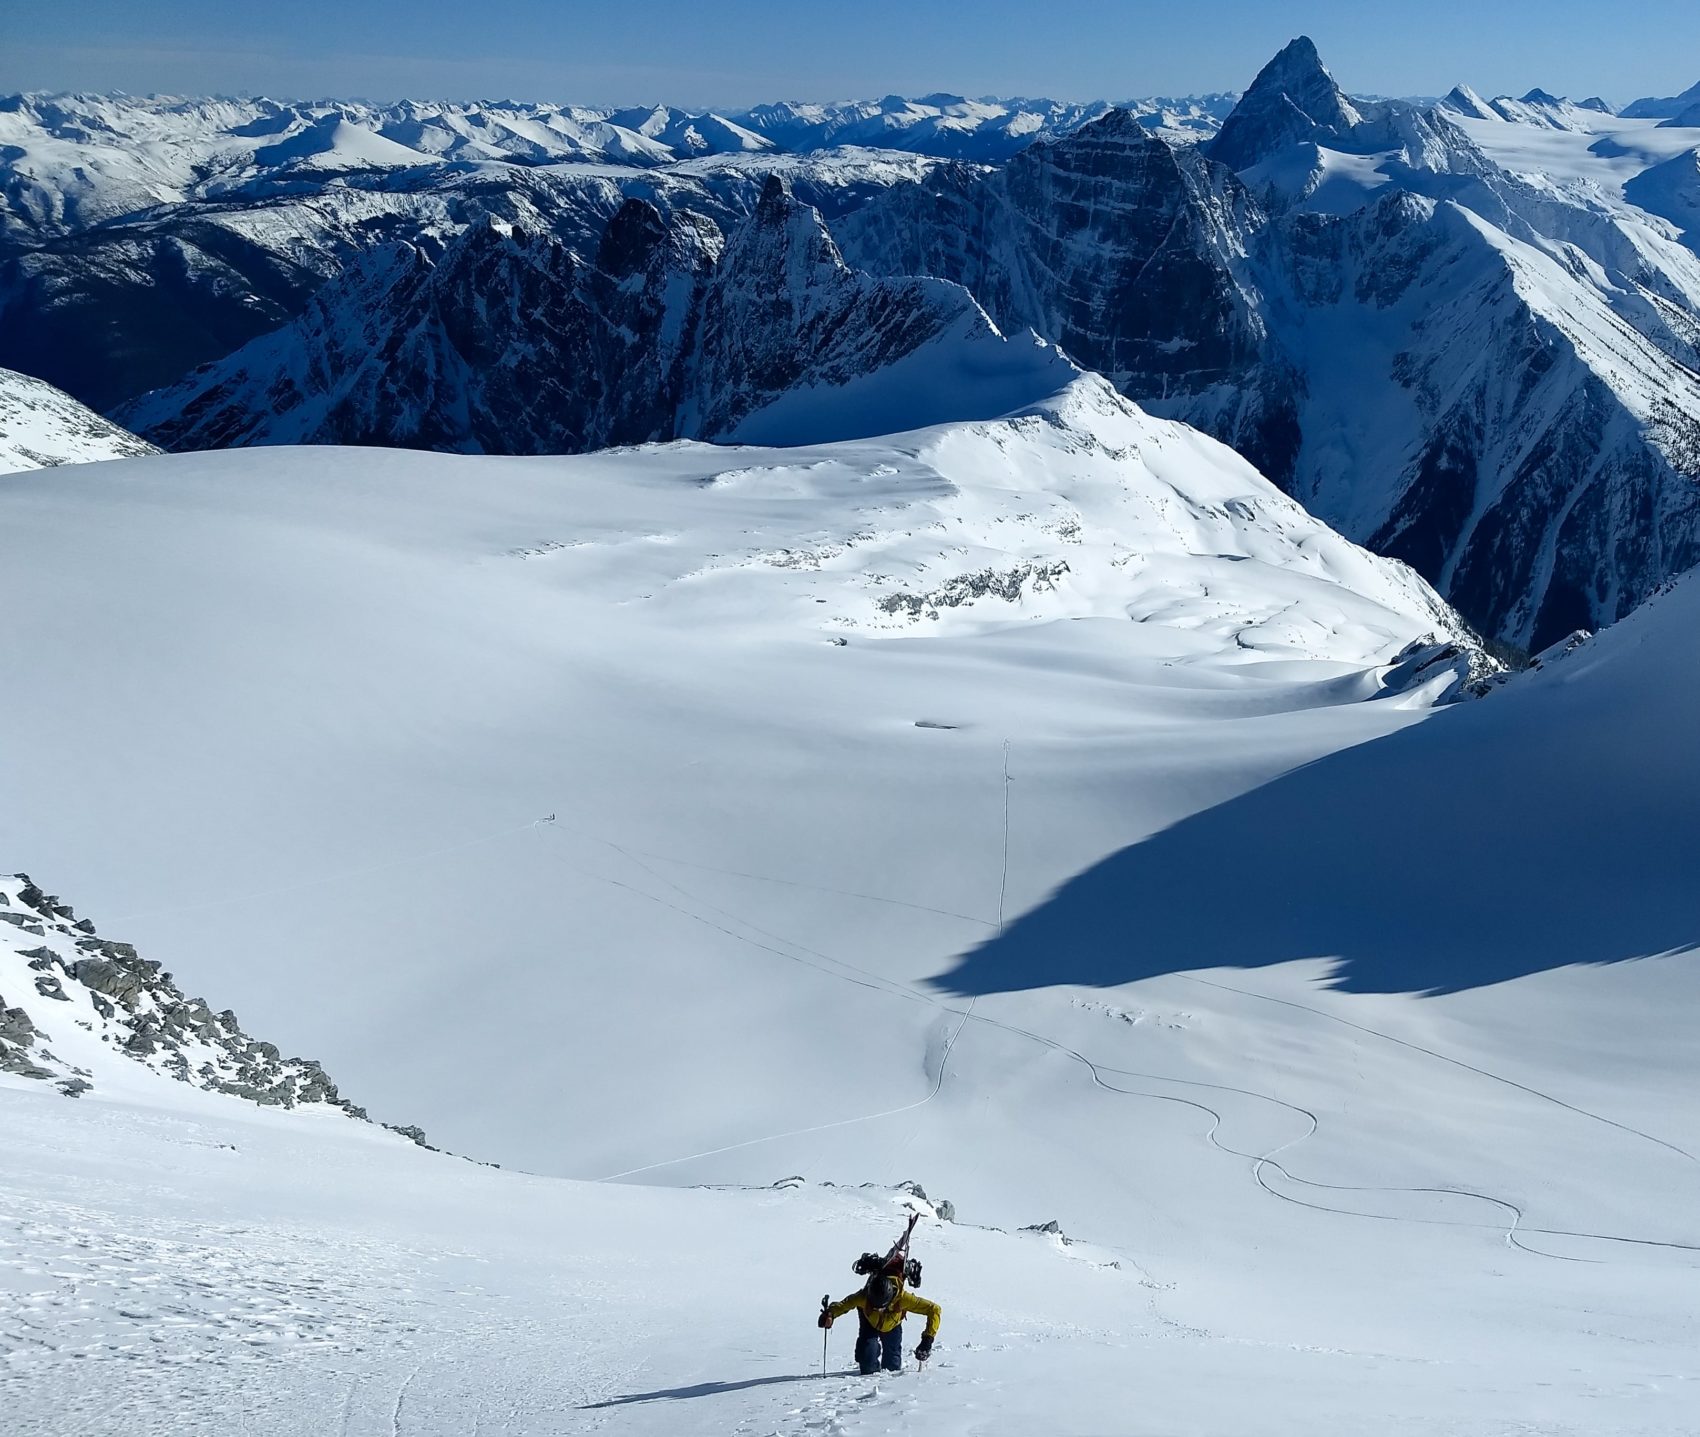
[876, 1349]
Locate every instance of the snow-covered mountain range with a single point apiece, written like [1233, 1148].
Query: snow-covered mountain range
[74, 161]
[1465, 333]
[1483, 371]
[1669, 107]
[504, 342]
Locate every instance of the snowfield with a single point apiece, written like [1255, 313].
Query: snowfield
[1044, 810]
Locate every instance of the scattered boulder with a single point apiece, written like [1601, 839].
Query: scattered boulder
[101, 976]
[19, 920]
[48, 985]
[16, 1026]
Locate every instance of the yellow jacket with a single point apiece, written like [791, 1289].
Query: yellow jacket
[883, 1319]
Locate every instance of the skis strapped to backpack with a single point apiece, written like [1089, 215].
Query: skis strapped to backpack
[896, 1263]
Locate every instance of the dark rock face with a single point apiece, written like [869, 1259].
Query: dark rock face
[503, 341]
[784, 310]
[100, 976]
[1512, 476]
[107, 315]
[1130, 254]
[110, 312]
[47, 985]
[507, 342]
[1109, 242]
[1292, 100]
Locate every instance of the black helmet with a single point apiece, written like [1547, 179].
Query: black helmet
[881, 1291]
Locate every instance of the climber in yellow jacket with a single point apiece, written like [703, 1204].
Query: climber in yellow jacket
[881, 1306]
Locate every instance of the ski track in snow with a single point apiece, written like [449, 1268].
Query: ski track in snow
[1456, 1062]
[963, 1015]
[1515, 1231]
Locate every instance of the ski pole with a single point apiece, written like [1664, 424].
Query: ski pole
[825, 1302]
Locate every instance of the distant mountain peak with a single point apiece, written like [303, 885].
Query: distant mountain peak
[1297, 57]
[1465, 101]
[1298, 73]
[1114, 123]
[775, 193]
[635, 232]
[784, 238]
[1293, 99]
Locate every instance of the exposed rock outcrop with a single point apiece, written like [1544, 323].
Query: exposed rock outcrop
[122, 1008]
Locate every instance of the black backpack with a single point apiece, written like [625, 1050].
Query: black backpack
[871, 1264]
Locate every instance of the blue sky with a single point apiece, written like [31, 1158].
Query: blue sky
[742, 51]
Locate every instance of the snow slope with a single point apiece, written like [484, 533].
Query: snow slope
[1600, 153]
[501, 598]
[538, 792]
[41, 426]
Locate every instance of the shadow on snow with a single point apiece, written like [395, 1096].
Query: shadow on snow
[1485, 844]
[702, 1389]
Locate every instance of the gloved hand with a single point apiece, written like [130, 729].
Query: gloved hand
[825, 1319]
[924, 1350]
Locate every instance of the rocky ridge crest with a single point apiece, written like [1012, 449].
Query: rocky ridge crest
[73, 1005]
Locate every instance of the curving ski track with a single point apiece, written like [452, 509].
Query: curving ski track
[1515, 1230]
